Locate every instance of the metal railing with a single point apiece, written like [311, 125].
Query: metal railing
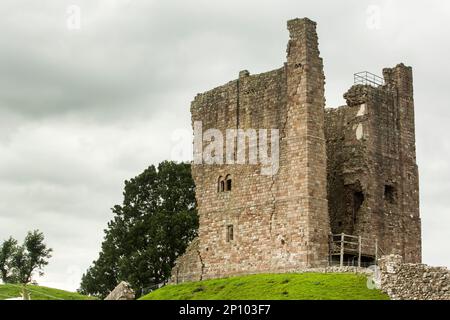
[367, 78]
[355, 248]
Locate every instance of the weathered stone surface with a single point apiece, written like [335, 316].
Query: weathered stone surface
[373, 188]
[409, 281]
[351, 169]
[280, 222]
[189, 267]
[123, 291]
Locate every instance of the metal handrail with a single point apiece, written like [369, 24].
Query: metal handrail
[368, 78]
[340, 245]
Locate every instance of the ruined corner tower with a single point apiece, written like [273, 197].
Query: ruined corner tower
[348, 170]
[373, 186]
[305, 171]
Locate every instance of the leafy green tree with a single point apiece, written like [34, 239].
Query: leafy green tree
[102, 276]
[32, 256]
[153, 226]
[7, 251]
[18, 263]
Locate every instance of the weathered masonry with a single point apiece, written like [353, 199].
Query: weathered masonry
[347, 170]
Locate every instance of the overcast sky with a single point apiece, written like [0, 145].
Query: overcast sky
[81, 110]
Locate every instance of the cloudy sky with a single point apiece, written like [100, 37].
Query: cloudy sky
[81, 110]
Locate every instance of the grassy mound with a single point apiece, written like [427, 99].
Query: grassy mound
[39, 293]
[306, 286]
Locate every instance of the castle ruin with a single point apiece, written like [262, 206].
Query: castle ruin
[343, 172]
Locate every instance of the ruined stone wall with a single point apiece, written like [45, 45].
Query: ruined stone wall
[347, 169]
[372, 171]
[305, 175]
[188, 267]
[409, 281]
[400, 81]
[351, 169]
[280, 222]
[251, 102]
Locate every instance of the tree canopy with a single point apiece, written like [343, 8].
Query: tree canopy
[153, 226]
[18, 263]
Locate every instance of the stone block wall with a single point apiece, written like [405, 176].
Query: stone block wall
[188, 267]
[409, 281]
[351, 169]
[280, 221]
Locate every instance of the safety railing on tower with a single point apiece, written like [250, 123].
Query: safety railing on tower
[367, 78]
[350, 250]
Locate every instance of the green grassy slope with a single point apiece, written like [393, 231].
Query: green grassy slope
[306, 286]
[39, 293]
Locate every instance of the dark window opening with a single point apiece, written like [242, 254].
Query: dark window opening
[230, 235]
[224, 184]
[220, 185]
[228, 183]
[358, 200]
[389, 194]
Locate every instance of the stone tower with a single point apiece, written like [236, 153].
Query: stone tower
[347, 170]
[373, 186]
[305, 141]
[265, 223]
[399, 81]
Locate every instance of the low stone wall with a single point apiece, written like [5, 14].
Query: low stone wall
[189, 266]
[408, 281]
[336, 269]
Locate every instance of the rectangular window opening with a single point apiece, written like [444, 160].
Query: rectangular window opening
[389, 194]
[230, 231]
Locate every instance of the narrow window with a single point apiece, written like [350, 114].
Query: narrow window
[228, 183]
[230, 235]
[220, 184]
[389, 194]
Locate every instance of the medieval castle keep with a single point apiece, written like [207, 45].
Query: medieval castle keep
[344, 173]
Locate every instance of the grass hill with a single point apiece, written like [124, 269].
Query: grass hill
[39, 293]
[306, 286]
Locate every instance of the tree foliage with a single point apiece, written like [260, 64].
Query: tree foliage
[152, 227]
[7, 251]
[18, 263]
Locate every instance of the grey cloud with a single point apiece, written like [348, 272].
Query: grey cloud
[81, 111]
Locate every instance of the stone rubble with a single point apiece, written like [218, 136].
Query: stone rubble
[413, 281]
[123, 291]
